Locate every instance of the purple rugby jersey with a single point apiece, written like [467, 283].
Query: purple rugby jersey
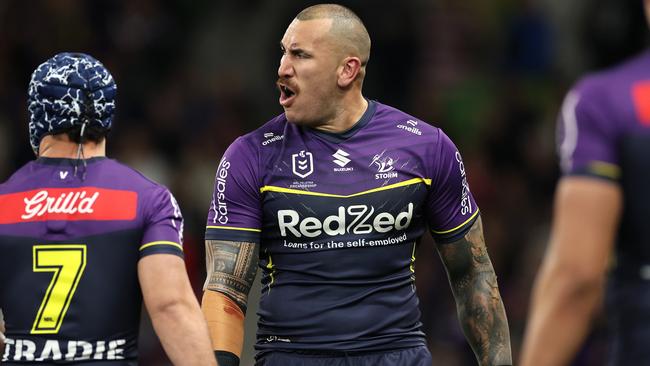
[338, 218]
[69, 287]
[604, 132]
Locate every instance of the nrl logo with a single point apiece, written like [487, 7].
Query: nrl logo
[302, 164]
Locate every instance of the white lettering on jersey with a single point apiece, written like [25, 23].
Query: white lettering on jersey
[363, 221]
[177, 217]
[412, 129]
[465, 202]
[569, 124]
[384, 165]
[67, 203]
[271, 138]
[77, 350]
[219, 201]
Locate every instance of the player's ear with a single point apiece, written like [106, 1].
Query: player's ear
[348, 71]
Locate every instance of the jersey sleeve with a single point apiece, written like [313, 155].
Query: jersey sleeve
[586, 138]
[451, 208]
[163, 231]
[235, 212]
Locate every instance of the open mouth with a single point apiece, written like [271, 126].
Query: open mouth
[287, 95]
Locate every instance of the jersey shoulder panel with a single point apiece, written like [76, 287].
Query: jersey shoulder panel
[405, 124]
[269, 134]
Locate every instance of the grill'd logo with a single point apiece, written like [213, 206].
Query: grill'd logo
[355, 219]
[67, 203]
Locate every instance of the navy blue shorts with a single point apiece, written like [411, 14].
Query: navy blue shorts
[415, 356]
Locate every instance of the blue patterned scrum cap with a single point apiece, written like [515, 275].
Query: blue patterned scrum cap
[68, 90]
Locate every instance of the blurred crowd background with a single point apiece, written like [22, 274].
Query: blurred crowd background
[194, 75]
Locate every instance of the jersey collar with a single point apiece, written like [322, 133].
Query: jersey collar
[66, 161]
[342, 136]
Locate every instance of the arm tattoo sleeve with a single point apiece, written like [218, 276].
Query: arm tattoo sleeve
[231, 268]
[480, 308]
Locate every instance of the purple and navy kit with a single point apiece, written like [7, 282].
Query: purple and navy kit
[604, 132]
[69, 287]
[338, 218]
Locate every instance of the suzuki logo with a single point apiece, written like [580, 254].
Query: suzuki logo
[302, 164]
[340, 158]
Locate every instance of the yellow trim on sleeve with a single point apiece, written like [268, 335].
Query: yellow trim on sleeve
[144, 246]
[235, 228]
[605, 169]
[457, 227]
[310, 193]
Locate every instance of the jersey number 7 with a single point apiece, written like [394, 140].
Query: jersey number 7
[67, 262]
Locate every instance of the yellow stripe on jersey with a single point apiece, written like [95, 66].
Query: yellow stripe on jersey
[457, 227]
[412, 266]
[604, 169]
[234, 228]
[270, 267]
[310, 193]
[144, 246]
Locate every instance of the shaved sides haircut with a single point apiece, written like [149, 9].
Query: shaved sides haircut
[347, 28]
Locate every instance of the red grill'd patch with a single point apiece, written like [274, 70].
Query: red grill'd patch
[83, 203]
[641, 98]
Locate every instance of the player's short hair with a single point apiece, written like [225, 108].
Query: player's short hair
[91, 134]
[66, 92]
[346, 26]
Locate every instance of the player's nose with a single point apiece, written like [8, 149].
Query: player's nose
[286, 68]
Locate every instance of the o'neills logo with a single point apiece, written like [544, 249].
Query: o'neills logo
[67, 203]
[83, 203]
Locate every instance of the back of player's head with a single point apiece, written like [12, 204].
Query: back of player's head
[347, 27]
[68, 91]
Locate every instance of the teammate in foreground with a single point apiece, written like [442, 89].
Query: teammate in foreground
[601, 208]
[334, 194]
[84, 238]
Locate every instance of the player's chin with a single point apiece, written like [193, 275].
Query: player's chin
[293, 116]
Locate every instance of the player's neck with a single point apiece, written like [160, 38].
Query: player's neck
[348, 113]
[57, 147]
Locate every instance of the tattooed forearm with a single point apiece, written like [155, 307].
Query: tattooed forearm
[480, 308]
[231, 268]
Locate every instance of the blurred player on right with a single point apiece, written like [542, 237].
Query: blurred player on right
[602, 205]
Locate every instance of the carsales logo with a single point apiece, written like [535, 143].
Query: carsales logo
[219, 202]
[84, 203]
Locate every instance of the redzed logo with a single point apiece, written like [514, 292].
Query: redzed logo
[85, 203]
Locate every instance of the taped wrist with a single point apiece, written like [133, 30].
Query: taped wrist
[225, 358]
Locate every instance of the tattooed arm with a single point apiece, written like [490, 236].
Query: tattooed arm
[231, 269]
[480, 309]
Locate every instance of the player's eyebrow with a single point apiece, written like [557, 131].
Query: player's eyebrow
[294, 49]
